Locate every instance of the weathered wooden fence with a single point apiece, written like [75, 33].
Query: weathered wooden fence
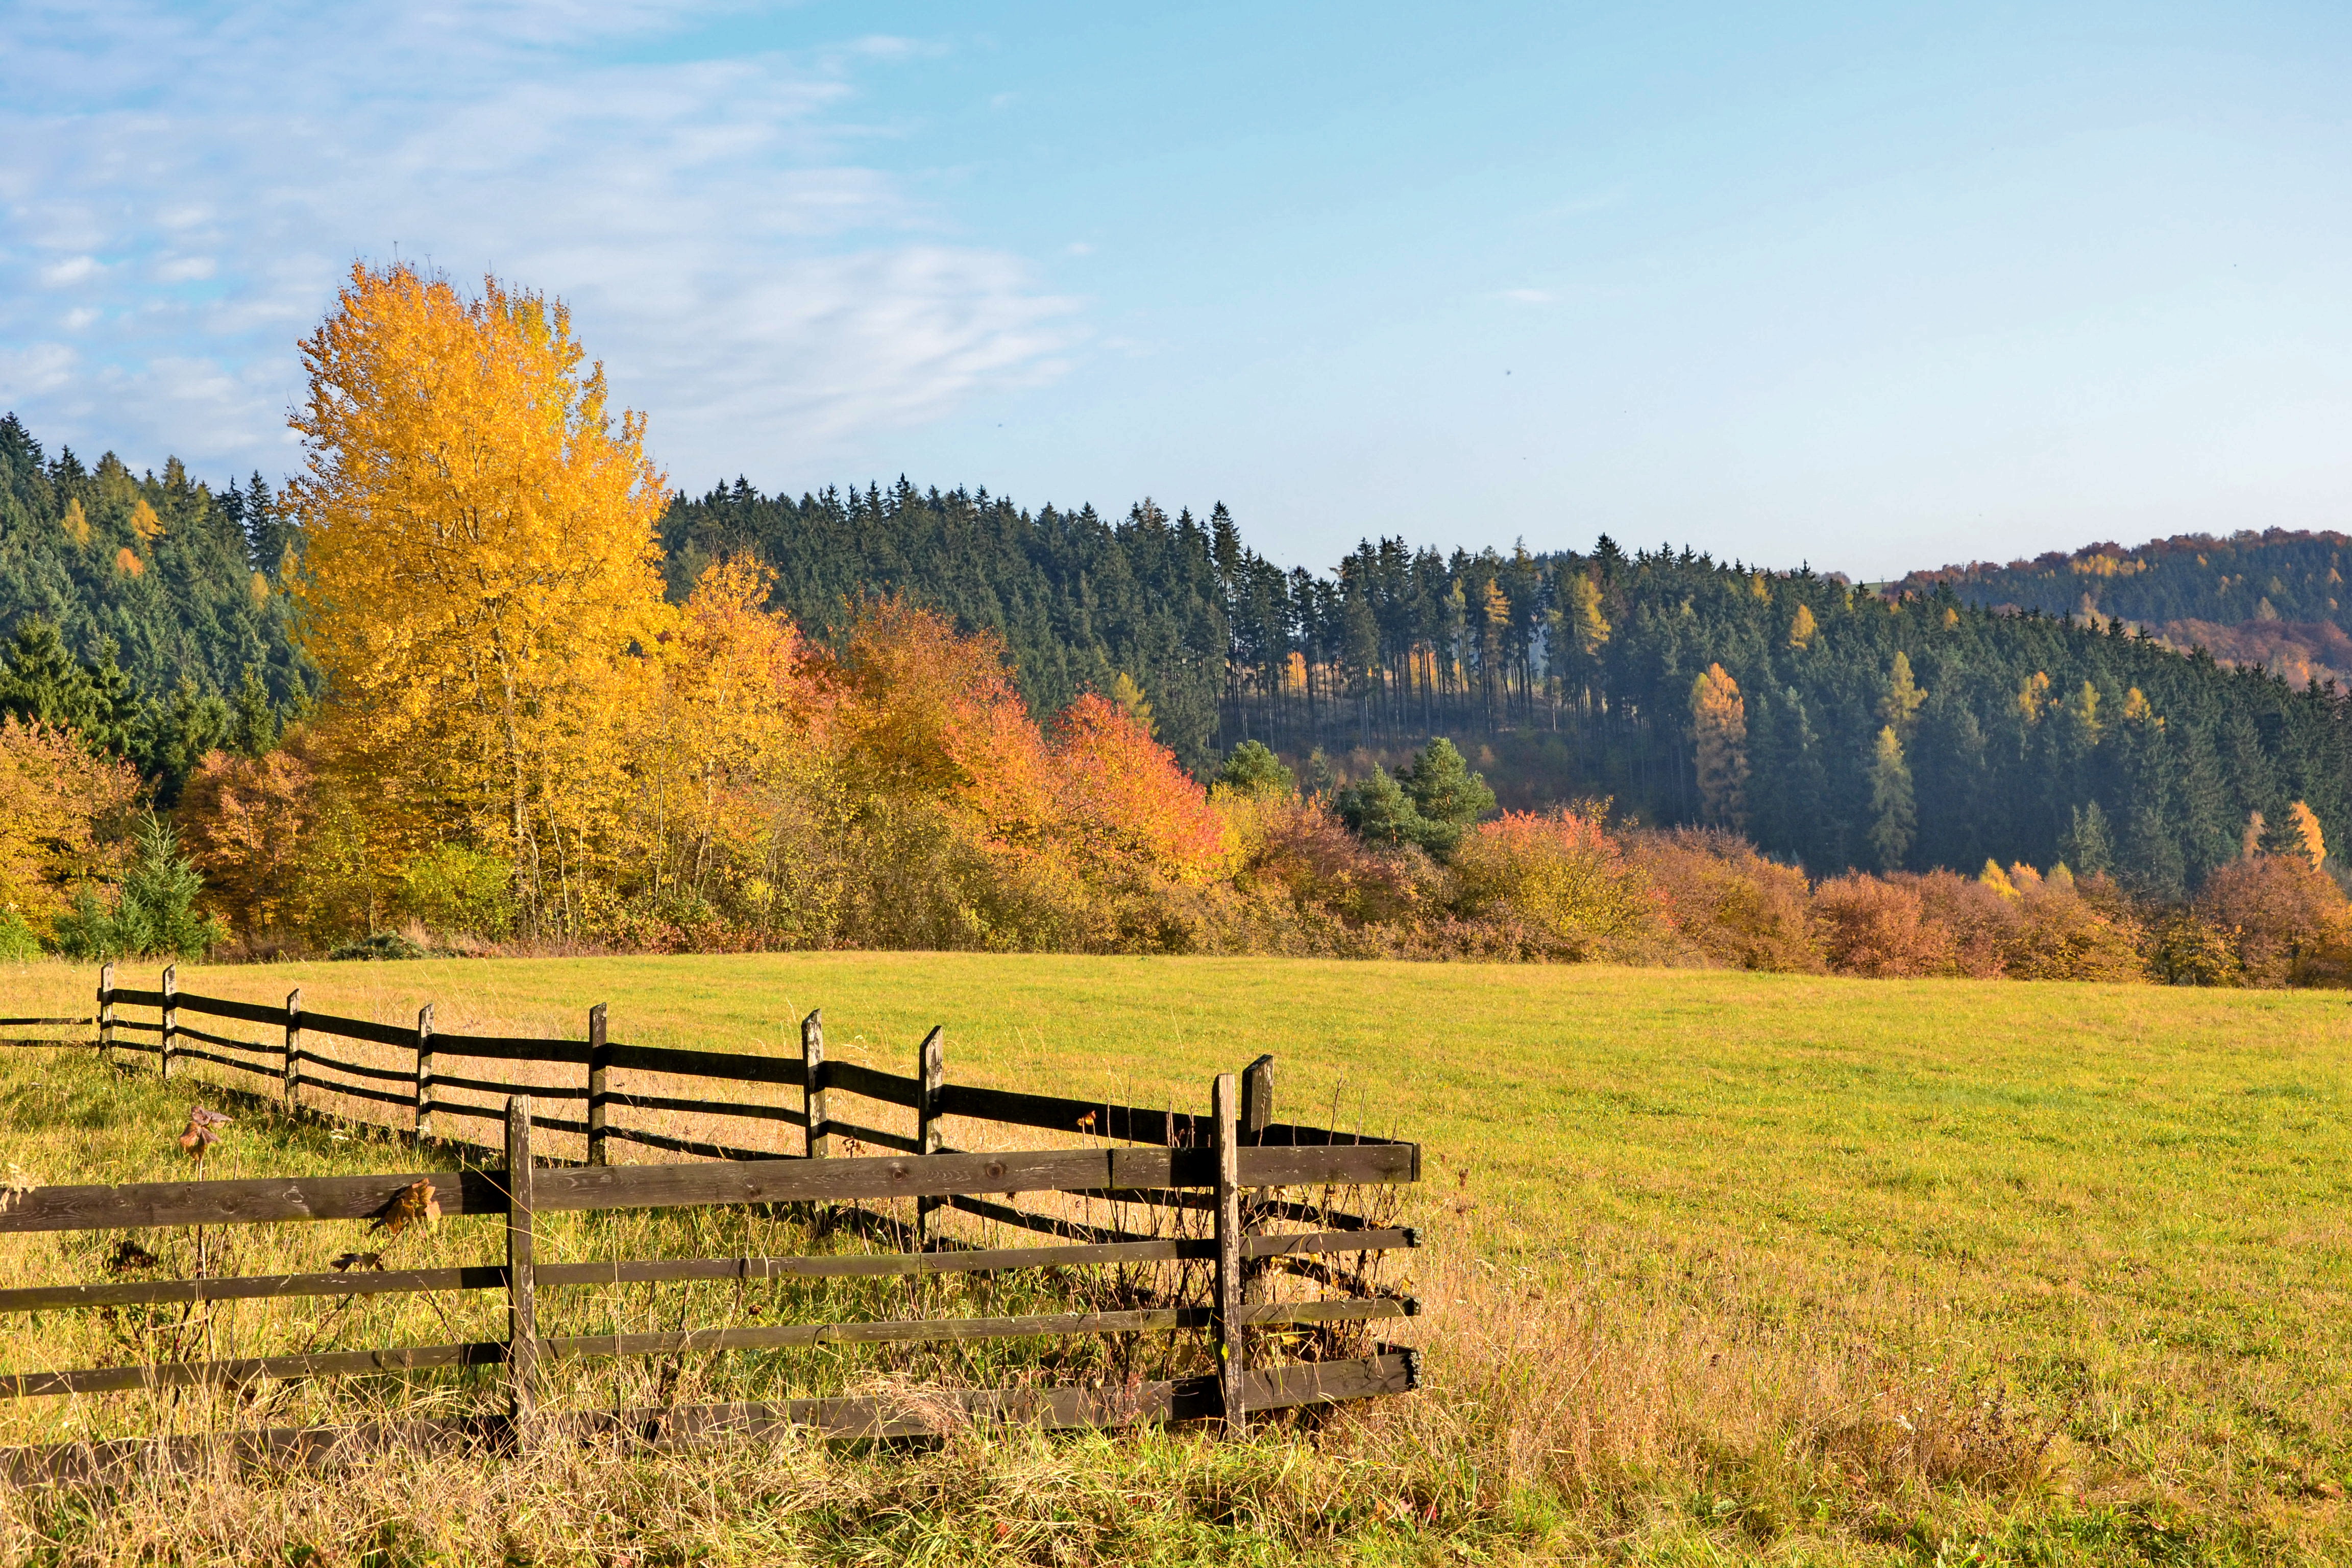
[1233, 1161]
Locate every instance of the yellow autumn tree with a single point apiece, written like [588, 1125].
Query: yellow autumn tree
[478, 559]
[1719, 723]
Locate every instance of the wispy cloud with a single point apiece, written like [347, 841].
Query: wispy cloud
[184, 192]
[1527, 296]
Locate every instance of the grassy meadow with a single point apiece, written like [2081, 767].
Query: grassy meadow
[1722, 1268]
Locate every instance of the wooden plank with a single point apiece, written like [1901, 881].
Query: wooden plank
[600, 1061]
[358, 1029]
[184, 1033]
[425, 1072]
[522, 1291]
[784, 1114]
[888, 1088]
[317, 1363]
[633, 1271]
[931, 1075]
[817, 1143]
[106, 1009]
[1125, 1122]
[293, 1049]
[848, 1133]
[919, 1413]
[354, 1090]
[514, 1048]
[247, 1288]
[668, 1144]
[1231, 1345]
[220, 1008]
[492, 1086]
[186, 1054]
[139, 998]
[41, 1023]
[1257, 1099]
[729, 1066]
[692, 1185]
[170, 1014]
[923, 1331]
[382, 1075]
[1046, 1224]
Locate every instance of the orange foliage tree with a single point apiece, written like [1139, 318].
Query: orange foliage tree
[478, 560]
[62, 812]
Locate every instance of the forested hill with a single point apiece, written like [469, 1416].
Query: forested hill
[146, 610]
[2011, 736]
[1077, 600]
[143, 609]
[2274, 599]
[2247, 577]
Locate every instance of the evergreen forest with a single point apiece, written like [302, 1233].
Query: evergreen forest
[1956, 717]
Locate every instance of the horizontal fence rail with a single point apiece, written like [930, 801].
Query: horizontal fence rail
[670, 1428]
[1230, 1168]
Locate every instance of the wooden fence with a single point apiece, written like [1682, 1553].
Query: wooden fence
[1233, 1161]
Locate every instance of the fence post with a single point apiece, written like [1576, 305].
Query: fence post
[170, 1013]
[819, 1140]
[1232, 1363]
[293, 1046]
[1257, 1111]
[523, 1294]
[105, 1012]
[596, 1066]
[1258, 1098]
[934, 1072]
[425, 1072]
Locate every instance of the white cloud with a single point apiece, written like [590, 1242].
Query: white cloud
[1527, 295]
[747, 279]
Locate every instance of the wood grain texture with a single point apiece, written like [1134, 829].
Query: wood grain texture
[522, 1291]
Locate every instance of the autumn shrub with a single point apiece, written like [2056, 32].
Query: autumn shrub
[65, 814]
[2076, 930]
[2183, 950]
[245, 821]
[1304, 883]
[2284, 919]
[1877, 926]
[1727, 901]
[1562, 876]
[1981, 927]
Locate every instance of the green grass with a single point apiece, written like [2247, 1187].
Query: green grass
[2100, 1237]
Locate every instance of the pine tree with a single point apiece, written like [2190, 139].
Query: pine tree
[1893, 817]
[1719, 726]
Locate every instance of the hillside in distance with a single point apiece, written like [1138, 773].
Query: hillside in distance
[1978, 715]
[2273, 600]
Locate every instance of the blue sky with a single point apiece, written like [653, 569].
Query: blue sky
[1871, 286]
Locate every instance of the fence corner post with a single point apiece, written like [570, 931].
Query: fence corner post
[933, 1075]
[425, 1072]
[597, 1063]
[105, 1011]
[171, 987]
[522, 1296]
[293, 1056]
[1233, 1364]
[816, 1133]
